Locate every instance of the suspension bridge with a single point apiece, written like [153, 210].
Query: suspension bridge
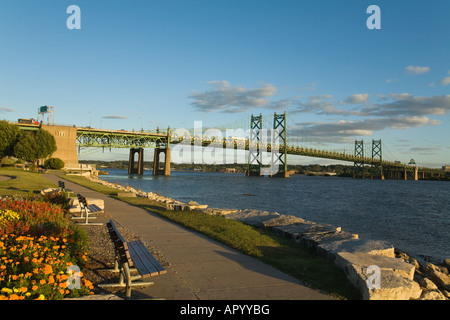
[270, 134]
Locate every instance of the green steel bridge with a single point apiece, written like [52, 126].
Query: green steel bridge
[162, 140]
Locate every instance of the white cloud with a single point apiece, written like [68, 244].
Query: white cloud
[391, 80]
[224, 97]
[425, 150]
[322, 105]
[346, 131]
[416, 69]
[357, 98]
[445, 81]
[405, 104]
[5, 109]
[227, 98]
[114, 117]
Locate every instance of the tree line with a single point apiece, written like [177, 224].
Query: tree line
[340, 170]
[31, 146]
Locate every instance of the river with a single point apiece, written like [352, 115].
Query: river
[414, 216]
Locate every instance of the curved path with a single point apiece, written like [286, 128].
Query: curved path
[6, 178]
[200, 268]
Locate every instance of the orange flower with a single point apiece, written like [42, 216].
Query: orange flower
[34, 288]
[48, 269]
[42, 281]
[24, 289]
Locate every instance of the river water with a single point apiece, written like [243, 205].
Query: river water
[414, 216]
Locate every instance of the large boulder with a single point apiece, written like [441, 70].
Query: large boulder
[395, 277]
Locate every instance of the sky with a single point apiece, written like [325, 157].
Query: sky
[341, 72]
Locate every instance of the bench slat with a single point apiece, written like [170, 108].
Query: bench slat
[148, 255]
[94, 209]
[119, 242]
[145, 269]
[117, 234]
[145, 266]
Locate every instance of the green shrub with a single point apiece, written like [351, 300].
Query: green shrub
[56, 197]
[54, 163]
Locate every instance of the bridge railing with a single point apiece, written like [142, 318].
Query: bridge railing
[244, 143]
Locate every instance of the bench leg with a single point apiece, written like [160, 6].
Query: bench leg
[86, 218]
[126, 280]
[116, 266]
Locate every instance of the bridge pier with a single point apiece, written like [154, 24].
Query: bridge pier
[406, 173]
[156, 162]
[132, 168]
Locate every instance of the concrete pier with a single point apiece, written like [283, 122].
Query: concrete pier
[156, 162]
[132, 168]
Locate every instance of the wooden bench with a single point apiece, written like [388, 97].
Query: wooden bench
[129, 257]
[87, 210]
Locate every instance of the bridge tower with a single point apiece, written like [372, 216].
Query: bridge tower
[254, 153]
[377, 153]
[279, 159]
[358, 165]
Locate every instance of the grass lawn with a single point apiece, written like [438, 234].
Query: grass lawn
[271, 248]
[22, 183]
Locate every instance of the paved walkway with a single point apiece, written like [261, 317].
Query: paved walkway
[200, 268]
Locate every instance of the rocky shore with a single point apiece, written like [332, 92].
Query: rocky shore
[379, 270]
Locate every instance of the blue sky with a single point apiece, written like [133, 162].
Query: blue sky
[170, 63]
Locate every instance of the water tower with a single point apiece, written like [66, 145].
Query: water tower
[50, 111]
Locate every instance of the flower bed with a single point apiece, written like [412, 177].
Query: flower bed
[39, 252]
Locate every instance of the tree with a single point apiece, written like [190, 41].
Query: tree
[9, 134]
[46, 144]
[35, 145]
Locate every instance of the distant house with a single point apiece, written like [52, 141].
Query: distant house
[446, 168]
